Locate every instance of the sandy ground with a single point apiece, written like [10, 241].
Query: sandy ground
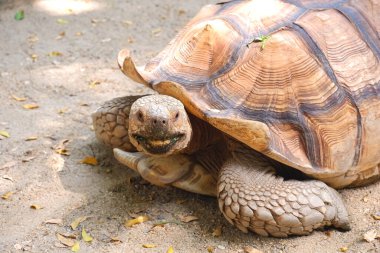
[62, 58]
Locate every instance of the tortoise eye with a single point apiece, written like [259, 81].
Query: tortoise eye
[176, 115]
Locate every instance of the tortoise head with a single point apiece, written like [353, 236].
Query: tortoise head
[159, 125]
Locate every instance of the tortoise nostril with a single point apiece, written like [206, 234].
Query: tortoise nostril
[155, 121]
[163, 121]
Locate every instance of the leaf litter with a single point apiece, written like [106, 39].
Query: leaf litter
[77, 221]
[85, 236]
[89, 160]
[135, 221]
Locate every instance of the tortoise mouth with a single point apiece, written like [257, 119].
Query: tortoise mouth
[158, 146]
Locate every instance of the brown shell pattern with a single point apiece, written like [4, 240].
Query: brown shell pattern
[296, 80]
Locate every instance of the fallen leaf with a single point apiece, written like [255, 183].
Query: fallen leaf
[93, 84]
[77, 221]
[149, 246]
[28, 159]
[127, 22]
[63, 110]
[62, 21]
[62, 151]
[8, 178]
[36, 207]
[249, 249]
[34, 57]
[4, 133]
[75, 247]
[90, 160]
[138, 220]
[115, 240]
[6, 195]
[181, 11]
[343, 249]
[156, 31]
[371, 235]
[376, 216]
[86, 237]
[65, 241]
[54, 221]
[20, 99]
[20, 15]
[32, 38]
[189, 218]
[210, 249]
[31, 106]
[217, 231]
[31, 138]
[170, 250]
[60, 36]
[55, 54]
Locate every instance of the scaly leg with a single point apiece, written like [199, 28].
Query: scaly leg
[252, 198]
[111, 122]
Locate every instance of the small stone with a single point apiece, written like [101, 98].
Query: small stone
[221, 247]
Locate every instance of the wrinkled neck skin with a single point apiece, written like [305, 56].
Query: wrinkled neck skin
[203, 136]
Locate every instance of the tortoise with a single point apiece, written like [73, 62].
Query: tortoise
[249, 90]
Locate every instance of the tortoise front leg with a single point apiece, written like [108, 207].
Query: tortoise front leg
[253, 198]
[181, 171]
[111, 122]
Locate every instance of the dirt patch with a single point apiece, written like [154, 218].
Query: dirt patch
[62, 58]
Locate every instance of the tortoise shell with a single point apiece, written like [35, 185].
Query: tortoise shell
[295, 80]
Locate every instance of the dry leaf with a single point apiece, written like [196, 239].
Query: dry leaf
[36, 207]
[127, 22]
[31, 138]
[4, 133]
[75, 247]
[60, 36]
[90, 160]
[77, 221]
[33, 38]
[343, 249]
[8, 178]
[115, 240]
[249, 249]
[34, 57]
[62, 151]
[210, 249]
[217, 231]
[65, 240]
[31, 106]
[54, 221]
[371, 235]
[6, 195]
[86, 237]
[376, 216]
[92, 84]
[138, 220]
[62, 21]
[20, 99]
[156, 31]
[60, 148]
[170, 250]
[28, 159]
[189, 218]
[55, 53]
[63, 110]
[149, 246]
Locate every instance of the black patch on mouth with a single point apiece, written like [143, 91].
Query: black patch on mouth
[157, 149]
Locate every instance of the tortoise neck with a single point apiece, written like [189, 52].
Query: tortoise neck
[203, 135]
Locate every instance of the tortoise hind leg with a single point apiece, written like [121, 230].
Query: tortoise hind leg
[110, 122]
[253, 198]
